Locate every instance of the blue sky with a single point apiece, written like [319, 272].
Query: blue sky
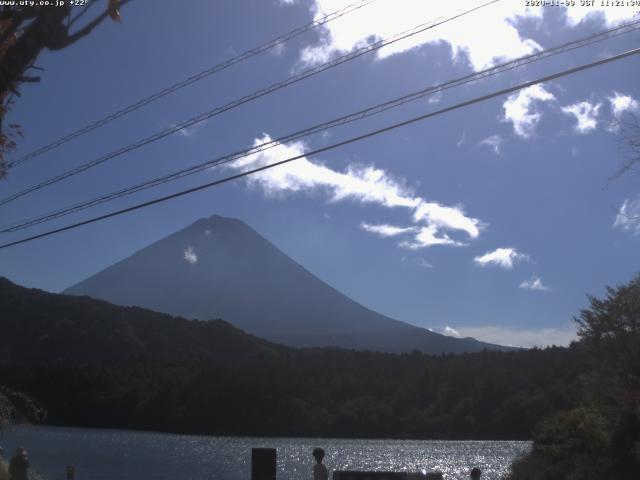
[492, 221]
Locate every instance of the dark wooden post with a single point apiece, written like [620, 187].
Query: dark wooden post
[71, 472]
[263, 464]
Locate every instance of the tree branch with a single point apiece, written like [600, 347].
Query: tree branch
[29, 79]
[86, 30]
[10, 31]
[22, 14]
[84, 10]
[629, 146]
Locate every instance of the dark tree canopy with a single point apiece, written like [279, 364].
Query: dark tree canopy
[27, 30]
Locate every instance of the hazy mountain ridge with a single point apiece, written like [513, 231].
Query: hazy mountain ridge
[221, 268]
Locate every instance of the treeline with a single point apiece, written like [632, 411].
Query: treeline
[96, 364]
[313, 393]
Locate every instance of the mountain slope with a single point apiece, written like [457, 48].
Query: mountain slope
[221, 268]
[41, 328]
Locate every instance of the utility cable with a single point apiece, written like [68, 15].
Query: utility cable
[333, 146]
[236, 103]
[191, 80]
[370, 111]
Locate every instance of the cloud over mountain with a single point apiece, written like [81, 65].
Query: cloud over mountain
[433, 222]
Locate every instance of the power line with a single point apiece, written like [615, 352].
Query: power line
[191, 80]
[236, 103]
[358, 138]
[370, 111]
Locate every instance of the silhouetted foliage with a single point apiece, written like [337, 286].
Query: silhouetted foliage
[92, 363]
[26, 30]
[629, 141]
[601, 437]
[16, 407]
[8, 136]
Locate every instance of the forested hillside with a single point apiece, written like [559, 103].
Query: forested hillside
[43, 328]
[95, 364]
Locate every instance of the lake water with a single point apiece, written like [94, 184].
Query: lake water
[127, 455]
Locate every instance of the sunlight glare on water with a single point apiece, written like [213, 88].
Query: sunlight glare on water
[125, 455]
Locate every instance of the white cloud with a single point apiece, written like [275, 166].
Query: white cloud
[420, 262]
[451, 332]
[191, 131]
[465, 35]
[424, 263]
[452, 218]
[427, 237]
[435, 98]
[541, 337]
[586, 115]
[186, 132]
[612, 16]
[364, 184]
[622, 103]
[494, 142]
[190, 256]
[278, 50]
[501, 257]
[386, 230]
[518, 109]
[534, 283]
[463, 138]
[361, 184]
[628, 217]
[207, 233]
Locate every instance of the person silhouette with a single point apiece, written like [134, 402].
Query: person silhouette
[319, 470]
[19, 465]
[475, 473]
[4, 473]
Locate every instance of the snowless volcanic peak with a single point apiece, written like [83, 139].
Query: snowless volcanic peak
[220, 267]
